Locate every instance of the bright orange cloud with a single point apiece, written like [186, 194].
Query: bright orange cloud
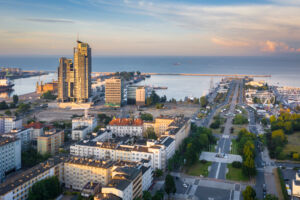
[272, 46]
[229, 42]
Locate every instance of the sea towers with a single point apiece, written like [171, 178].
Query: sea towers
[74, 78]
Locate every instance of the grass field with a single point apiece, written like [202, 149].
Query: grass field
[233, 147]
[293, 143]
[235, 174]
[199, 169]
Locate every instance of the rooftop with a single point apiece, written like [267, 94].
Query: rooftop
[19, 179]
[80, 128]
[126, 122]
[6, 140]
[120, 184]
[108, 196]
[90, 185]
[91, 162]
[35, 125]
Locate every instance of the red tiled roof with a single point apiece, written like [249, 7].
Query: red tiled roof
[35, 125]
[126, 122]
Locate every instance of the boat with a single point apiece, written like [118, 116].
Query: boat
[6, 85]
[177, 63]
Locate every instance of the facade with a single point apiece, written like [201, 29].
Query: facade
[80, 132]
[131, 94]
[123, 149]
[17, 187]
[10, 159]
[87, 120]
[141, 95]
[24, 135]
[160, 124]
[50, 142]
[9, 123]
[74, 79]
[79, 171]
[113, 92]
[37, 129]
[82, 68]
[126, 126]
[296, 186]
[42, 88]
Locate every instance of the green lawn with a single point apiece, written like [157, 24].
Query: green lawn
[293, 143]
[235, 174]
[199, 169]
[233, 147]
[237, 128]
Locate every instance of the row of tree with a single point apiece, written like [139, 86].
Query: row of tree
[240, 119]
[246, 148]
[155, 99]
[48, 188]
[200, 139]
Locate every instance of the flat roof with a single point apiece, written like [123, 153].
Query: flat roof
[6, 140]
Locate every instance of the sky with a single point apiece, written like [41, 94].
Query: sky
[142, 27]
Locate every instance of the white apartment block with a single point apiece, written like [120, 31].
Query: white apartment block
[80, 132]
[120, 188]
[155, 152]
[87, 120]
[10, 155]
[9, 123]
[147, 177]
[24, 135]
[122, 127]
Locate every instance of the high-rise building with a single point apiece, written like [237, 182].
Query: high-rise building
[50, 142]
[74, 79]
[113, 92]
[141, 96]
[82, 67]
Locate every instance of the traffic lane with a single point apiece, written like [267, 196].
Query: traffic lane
[222, 171]
[213, 170]
[205, 193]
[288, 165]
[180, 189]
[260, 181]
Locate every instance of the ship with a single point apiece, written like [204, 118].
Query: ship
[6, 85]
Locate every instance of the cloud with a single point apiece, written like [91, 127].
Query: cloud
[273, 46]
[48, 20]
[229, 42]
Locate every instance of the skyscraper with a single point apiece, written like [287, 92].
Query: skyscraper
[74, 79]
[82, 67]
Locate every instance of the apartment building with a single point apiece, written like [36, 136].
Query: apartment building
[50, 142]
[8, 123]
[141, 95]
[79, 171]
[125, 126]
[37, 129]
[87, 120]
[179, 129]
[24, 135]
[113, 92]
[17, 187]
[160, 124]
[80, 132]
[124, 149]
[10, 151]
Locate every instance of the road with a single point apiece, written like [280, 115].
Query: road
[218, 170]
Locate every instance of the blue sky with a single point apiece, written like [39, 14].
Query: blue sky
[142, 27]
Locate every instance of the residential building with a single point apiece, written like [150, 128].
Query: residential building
[74, 79]
[141, 95]
[113, 92]
[90, 189]
[131, 94]
[83, 69]
[8, 123]
[50, 142]
[126, 126]
[123, 149]
[37, 129]
[17, 187]
[79, 171]
[24, 135]
[10, 159]
[296, 186]
[80, 132]
[160, 124]
[87, 120]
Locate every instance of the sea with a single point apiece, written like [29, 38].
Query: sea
[284, 70]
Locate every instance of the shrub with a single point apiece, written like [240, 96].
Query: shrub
[237, 164]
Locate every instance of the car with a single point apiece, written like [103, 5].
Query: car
[185, 185]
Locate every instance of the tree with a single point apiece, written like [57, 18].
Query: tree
[158, 195]
[170, 186]
[15, 99]
[203, 101]
[3, 105]
[158, 173]
[7, 112]
[146, 117]
[104, 119]
[150, 134]
[249, 193]
[147, 195]
[240, 119]
[48, 188]
[48, 96]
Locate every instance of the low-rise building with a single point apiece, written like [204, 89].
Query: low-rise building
[160, 124]
[10, 155]
[50, 142]
[296, 186]
[90, 189]
[126, 126]
[80, 132]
